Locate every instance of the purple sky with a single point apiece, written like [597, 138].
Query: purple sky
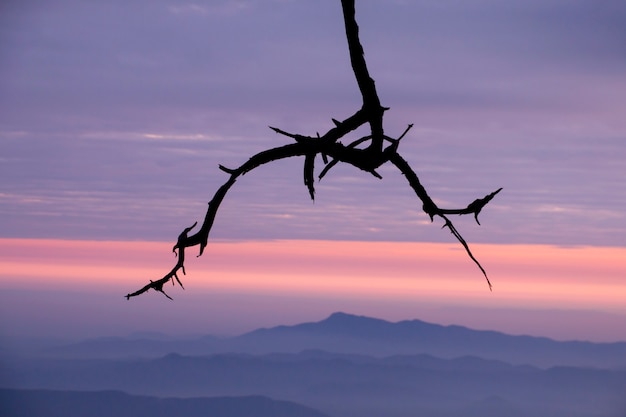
[115, 115]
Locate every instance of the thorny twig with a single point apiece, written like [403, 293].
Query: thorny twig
[367, 159]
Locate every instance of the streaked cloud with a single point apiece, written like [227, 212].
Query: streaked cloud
[78, 286]
[114, 117]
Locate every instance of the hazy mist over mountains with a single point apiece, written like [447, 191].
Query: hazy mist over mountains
[342, 366]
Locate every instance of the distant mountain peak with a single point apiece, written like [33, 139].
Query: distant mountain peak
[352, 322]
[341, 316]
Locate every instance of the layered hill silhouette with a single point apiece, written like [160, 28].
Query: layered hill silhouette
[344, 365]
[47, 403]
[345, 384]
[345, 333]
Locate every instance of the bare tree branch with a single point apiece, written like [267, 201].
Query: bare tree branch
[368, 159]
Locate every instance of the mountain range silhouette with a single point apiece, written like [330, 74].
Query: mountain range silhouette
[344, 365]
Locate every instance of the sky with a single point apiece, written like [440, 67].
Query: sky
[114, 117]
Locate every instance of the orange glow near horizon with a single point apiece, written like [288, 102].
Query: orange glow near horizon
[525, 276]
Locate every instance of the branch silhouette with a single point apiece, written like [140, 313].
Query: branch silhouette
[368, 158]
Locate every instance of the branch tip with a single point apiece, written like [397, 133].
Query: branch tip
[227, 170]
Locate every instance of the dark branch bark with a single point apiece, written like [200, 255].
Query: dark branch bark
[371, 102]
[367, 159]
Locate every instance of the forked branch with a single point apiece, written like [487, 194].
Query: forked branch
[368, 158]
